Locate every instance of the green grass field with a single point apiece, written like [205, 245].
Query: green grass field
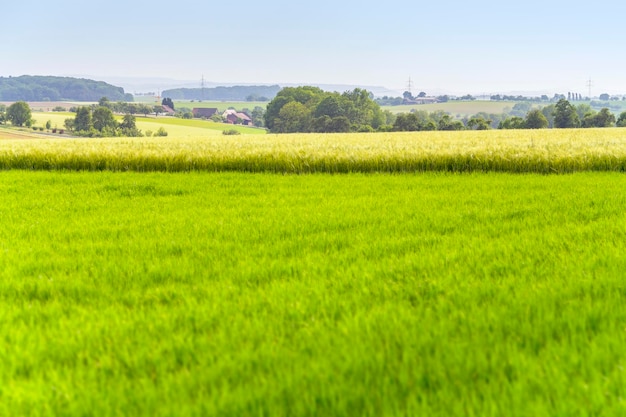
[239, 294]
[173, 125]
[221, 105]
[456, 108]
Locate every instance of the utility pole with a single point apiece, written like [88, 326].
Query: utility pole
[409, 86]
[589, 84]
[202, 87]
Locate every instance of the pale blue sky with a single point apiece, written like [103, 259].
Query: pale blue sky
[478, 46]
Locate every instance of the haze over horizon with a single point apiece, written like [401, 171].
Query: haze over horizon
[480, 47]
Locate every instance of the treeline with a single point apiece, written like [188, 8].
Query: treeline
[47, 88]
[99, 120]
[310, 109]
[563, 114]
[235, 93]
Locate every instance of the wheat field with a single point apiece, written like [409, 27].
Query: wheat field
[538, 151]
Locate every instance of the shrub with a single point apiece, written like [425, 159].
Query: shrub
[59, 109]
[148, 133]
[161, 132]
[231, 132]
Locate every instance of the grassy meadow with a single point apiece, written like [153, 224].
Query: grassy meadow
[237, 294]
[456, 108]
[182, 128]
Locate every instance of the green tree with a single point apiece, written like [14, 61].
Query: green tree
[445, 122]
[329, 106]
[168, 102]
[621, 120]
[604, 118]
[104, 102]
[128, 122]
[293, 117]
[407, 122]
[19, 114]
[103, 118]
[565, 115]
[478, 123]
[514, 122]
[548, 113]
[340, 124]
[535, 119]
[257, 116]
[158, 110]
[583, 110]
[144, 109]
[83, 121]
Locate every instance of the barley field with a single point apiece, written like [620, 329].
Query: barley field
[527, 151]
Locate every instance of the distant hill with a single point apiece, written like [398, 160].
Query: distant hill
[235, 93]
[47, 88]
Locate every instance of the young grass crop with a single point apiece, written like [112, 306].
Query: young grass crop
[373, 295]
[464, 108]
[539, 151]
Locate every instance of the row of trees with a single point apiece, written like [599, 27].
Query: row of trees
[560, 115]
[121, 107]
[310, 109]
[99, 121]
[18, 114]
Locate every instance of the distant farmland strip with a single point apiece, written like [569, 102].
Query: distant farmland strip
[541, 151]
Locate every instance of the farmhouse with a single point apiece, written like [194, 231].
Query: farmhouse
[234, 117]
[204, 113]
[168, 110]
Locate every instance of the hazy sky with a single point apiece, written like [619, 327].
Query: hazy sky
[468, 46]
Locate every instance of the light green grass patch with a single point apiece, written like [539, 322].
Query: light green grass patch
[456, 108]
[370, 295]
[188, 127]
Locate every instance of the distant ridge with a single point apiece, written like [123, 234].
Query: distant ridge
[50, 88]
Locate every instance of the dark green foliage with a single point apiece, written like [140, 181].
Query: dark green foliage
[168, 102]
[18, 114]
[128, 122]
[621, 120]
[514, 122]
[565, 115]
[83, 120]
[103, 118]
[535, 119]
[604, 118]
[100, 122]
[309, 109]
[231, 132]
[479, 123]
[45, 88]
